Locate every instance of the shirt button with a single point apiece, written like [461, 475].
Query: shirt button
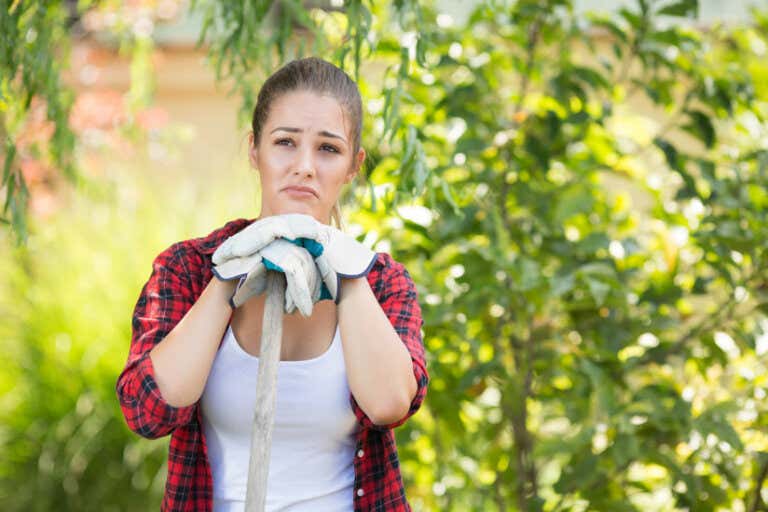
[360, 453]
[360, 492]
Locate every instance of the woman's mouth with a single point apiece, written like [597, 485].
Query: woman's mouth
[300, 192]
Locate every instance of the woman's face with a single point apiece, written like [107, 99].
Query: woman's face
[304, 155]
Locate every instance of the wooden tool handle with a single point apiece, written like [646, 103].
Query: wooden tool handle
[264, 418]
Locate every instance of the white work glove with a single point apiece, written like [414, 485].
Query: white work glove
[250, 271]
[342, 256]
[262, 232]
[303, 282]
[339, 254]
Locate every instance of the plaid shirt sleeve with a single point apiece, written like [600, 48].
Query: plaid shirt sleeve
[396, 293]
[163, 302]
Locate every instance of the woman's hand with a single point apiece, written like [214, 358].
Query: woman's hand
[303, 282]
[336, 255]
[262, 232]
[342, 256]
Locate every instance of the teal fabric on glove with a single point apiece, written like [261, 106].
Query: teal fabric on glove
[315, 249]
[302, 278]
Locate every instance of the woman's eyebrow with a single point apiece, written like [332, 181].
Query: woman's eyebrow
[324, 133]
[287, 129]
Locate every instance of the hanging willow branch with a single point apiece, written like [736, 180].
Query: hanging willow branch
[245, 41]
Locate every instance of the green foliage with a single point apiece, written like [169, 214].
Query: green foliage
[33, 38]
[246, 41]
[593, 310]
[66, 299]
[582, 203]
[63, 435]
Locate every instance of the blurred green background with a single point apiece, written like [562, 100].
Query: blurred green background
[577, 188]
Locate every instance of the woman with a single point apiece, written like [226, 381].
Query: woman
[350, 371]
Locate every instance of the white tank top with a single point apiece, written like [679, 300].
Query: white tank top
[313, 440]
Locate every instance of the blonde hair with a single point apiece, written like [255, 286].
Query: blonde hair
[336, 217]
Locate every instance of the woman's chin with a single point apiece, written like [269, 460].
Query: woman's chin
[298, 208]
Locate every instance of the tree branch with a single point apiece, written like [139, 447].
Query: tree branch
[724, 313]
[534, 31]
[527, 485]
[757, 503]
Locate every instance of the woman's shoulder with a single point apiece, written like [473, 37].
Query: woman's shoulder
[385, 262]
[387, 271]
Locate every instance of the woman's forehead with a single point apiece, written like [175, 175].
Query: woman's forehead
[307, 110]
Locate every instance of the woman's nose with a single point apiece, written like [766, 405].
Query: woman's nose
[304, 165]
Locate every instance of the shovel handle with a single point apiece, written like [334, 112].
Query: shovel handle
[266, 385]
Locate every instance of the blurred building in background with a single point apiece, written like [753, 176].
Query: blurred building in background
[187, 96]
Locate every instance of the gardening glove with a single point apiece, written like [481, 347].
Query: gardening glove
[336, 254]
[341, 256]
[261, 232]
[303, 283]
[252, 275]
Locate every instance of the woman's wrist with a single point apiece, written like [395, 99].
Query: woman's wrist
[352, 287]
[223, 290]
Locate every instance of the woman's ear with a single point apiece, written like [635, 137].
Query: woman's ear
[252, 151]
[357, 164]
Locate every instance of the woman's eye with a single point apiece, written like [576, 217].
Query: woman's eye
[284, 142]
[328, 147]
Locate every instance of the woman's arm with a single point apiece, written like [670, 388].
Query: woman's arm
[167, 312]
[183, 359]
[380, 367]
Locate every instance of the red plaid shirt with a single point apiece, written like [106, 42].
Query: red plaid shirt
[179, 275]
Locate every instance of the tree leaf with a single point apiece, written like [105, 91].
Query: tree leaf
[610, 26]
[701, 127]
[574, 200]
[670, 152]
[682, 8]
